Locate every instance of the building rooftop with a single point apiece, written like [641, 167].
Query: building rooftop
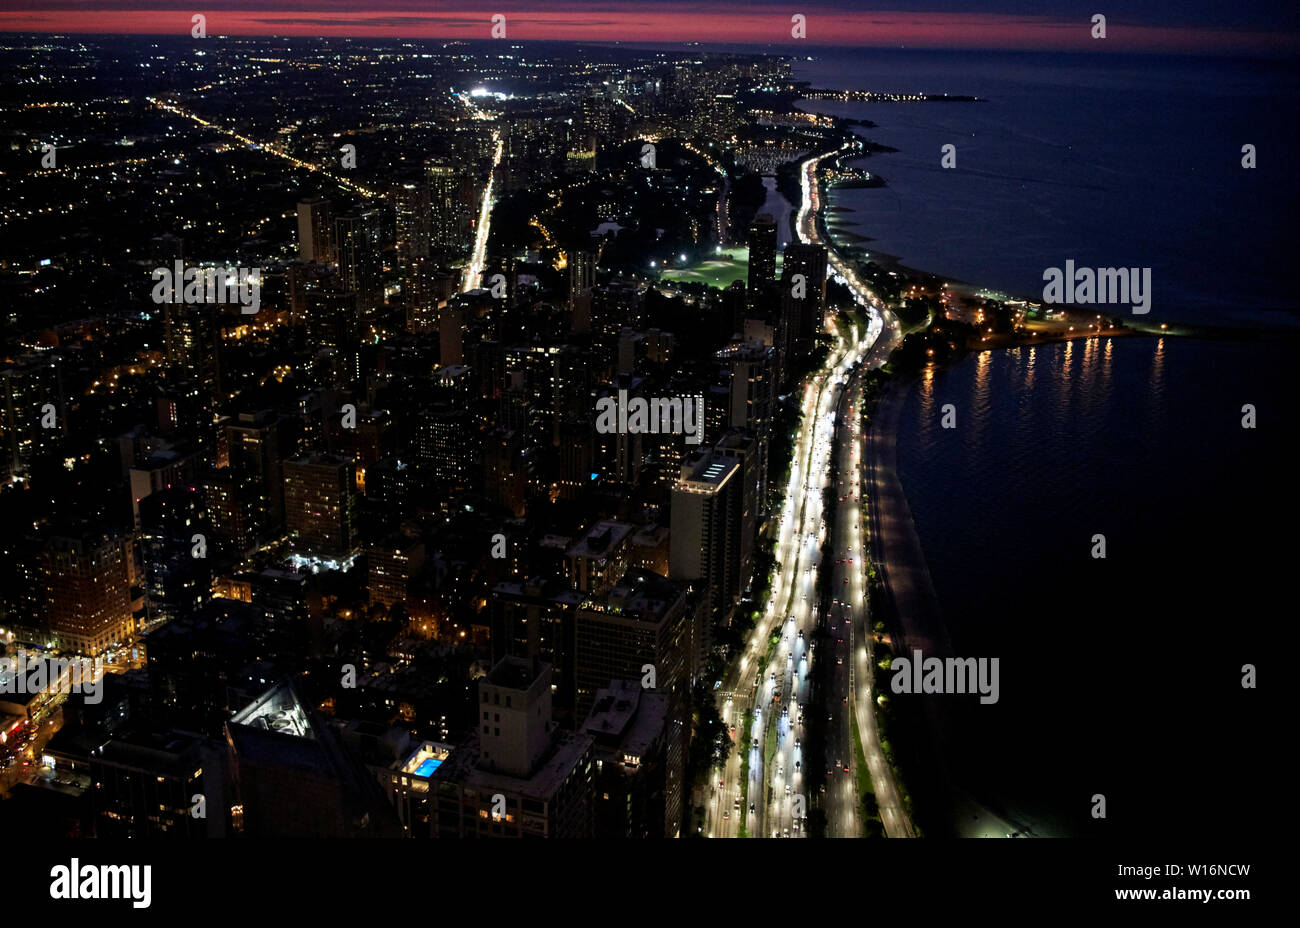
[641, 595]
[705, 472]
[598, 540]
[566, 750]
[626, 717]
[516, 673]
[277, 710]
[538, 589]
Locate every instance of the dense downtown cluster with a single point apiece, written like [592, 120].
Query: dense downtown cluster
[395, 433]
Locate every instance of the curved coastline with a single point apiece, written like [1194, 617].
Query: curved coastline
[915, 617]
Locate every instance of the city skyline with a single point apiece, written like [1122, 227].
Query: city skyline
[422, 436]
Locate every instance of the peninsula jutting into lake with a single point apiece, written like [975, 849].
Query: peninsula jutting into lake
[645, 421]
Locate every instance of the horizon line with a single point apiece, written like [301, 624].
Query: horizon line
[743, 26]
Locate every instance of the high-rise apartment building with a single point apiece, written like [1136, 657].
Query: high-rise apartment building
[803, 298]
[752, 397]
[762, 263]
[706, 527]
[517, 775]
[87, 582]
[320, 504]
[33, 417]
[358, 243]
[315, 231]
[642, 630]
[451, 201]
[177, 582]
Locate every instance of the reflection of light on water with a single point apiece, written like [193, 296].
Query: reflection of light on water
[1087, 371]
[1107, 359]
[980, 400]
[927, 391]
[982, 362]
[1029, 367]
[1158, 369]
[1156, 393]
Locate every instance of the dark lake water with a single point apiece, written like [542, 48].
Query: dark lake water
[1121, 675]
[1112, 160]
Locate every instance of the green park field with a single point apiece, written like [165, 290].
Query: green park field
[716, 270]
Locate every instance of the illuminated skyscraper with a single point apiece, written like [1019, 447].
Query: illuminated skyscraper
[450, 208]
[87, 582]
[762, 262]
[33, 417]
[358, 240]
[320, 504]
[410, 206]
[707, 516]
[803, 298]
